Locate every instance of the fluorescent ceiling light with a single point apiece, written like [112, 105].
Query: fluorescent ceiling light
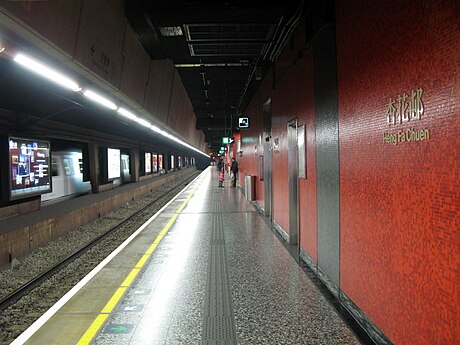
[46, 72]
[144, 122]
[99, 99]
[68, 83]
[127, 114]
[155, 129]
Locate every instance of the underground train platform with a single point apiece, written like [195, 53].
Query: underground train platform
[344, 120]
[205, 269]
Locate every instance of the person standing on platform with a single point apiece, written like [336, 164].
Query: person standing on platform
[234, 172]
[221, 178]
[220, 164]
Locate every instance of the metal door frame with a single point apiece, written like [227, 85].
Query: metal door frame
[293, 174]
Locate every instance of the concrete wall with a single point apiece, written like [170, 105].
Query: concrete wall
[96, 36]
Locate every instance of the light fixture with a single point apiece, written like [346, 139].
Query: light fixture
[143, 122]
[127, 114]
[155, 129]
[99, 99]
[46, 72]
[64, 81]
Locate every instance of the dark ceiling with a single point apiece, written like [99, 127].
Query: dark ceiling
[221, 49]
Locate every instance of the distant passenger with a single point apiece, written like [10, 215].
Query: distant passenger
[220, 163]
[221, 178]
[233, 172]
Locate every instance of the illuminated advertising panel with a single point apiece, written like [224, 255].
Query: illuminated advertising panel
[160, 162]
[179, 162]
[113, 163]
[155, 163]
[29, 167]
[172, 162]
[148, 162]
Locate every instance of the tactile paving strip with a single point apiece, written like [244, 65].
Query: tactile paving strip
[218, 318]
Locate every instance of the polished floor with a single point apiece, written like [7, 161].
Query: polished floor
[212, 272]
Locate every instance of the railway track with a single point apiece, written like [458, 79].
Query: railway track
[131, 221]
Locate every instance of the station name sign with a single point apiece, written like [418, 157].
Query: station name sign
[402, 110]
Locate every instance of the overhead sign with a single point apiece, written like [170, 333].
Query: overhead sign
[243, 122]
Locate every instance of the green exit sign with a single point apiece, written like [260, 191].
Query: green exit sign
[225, 140]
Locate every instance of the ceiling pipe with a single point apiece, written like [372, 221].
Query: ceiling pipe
[292, 23]
[223, 64]
[280, 43]
[274, 35]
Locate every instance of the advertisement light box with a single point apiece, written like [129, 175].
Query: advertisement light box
[113, 163]
[29, 167]
[148, 163]
[154, 162]
[160, 162]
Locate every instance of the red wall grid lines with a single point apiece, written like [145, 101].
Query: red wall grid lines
[400, 203]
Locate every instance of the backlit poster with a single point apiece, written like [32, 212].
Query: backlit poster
[155, 163]
[29, 164]
[148, 163]
[113, 163]
[160, 162]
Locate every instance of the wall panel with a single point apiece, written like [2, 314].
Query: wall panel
[327, 153]
[56, 20]
[159, 87]
[135, 70]
[100, 39]
[400, 214]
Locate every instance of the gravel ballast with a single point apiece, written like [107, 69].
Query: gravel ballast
[19, 316]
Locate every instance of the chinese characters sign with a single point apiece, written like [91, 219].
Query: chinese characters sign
[404, 108]
[401, 110]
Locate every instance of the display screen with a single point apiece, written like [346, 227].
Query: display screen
[113, 163]
[148, 162]
[172, 162]
[155, 163]
[160, 162]
[29, 167]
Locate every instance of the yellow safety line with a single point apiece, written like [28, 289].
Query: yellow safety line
[93, 329]
[151, 249]
[143, 260]
[129, 279]
[112, 303]
[113, 300]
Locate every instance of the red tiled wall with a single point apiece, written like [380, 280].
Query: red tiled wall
[307, 187]
[248, 162]
[399, 211]
[288, 102]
